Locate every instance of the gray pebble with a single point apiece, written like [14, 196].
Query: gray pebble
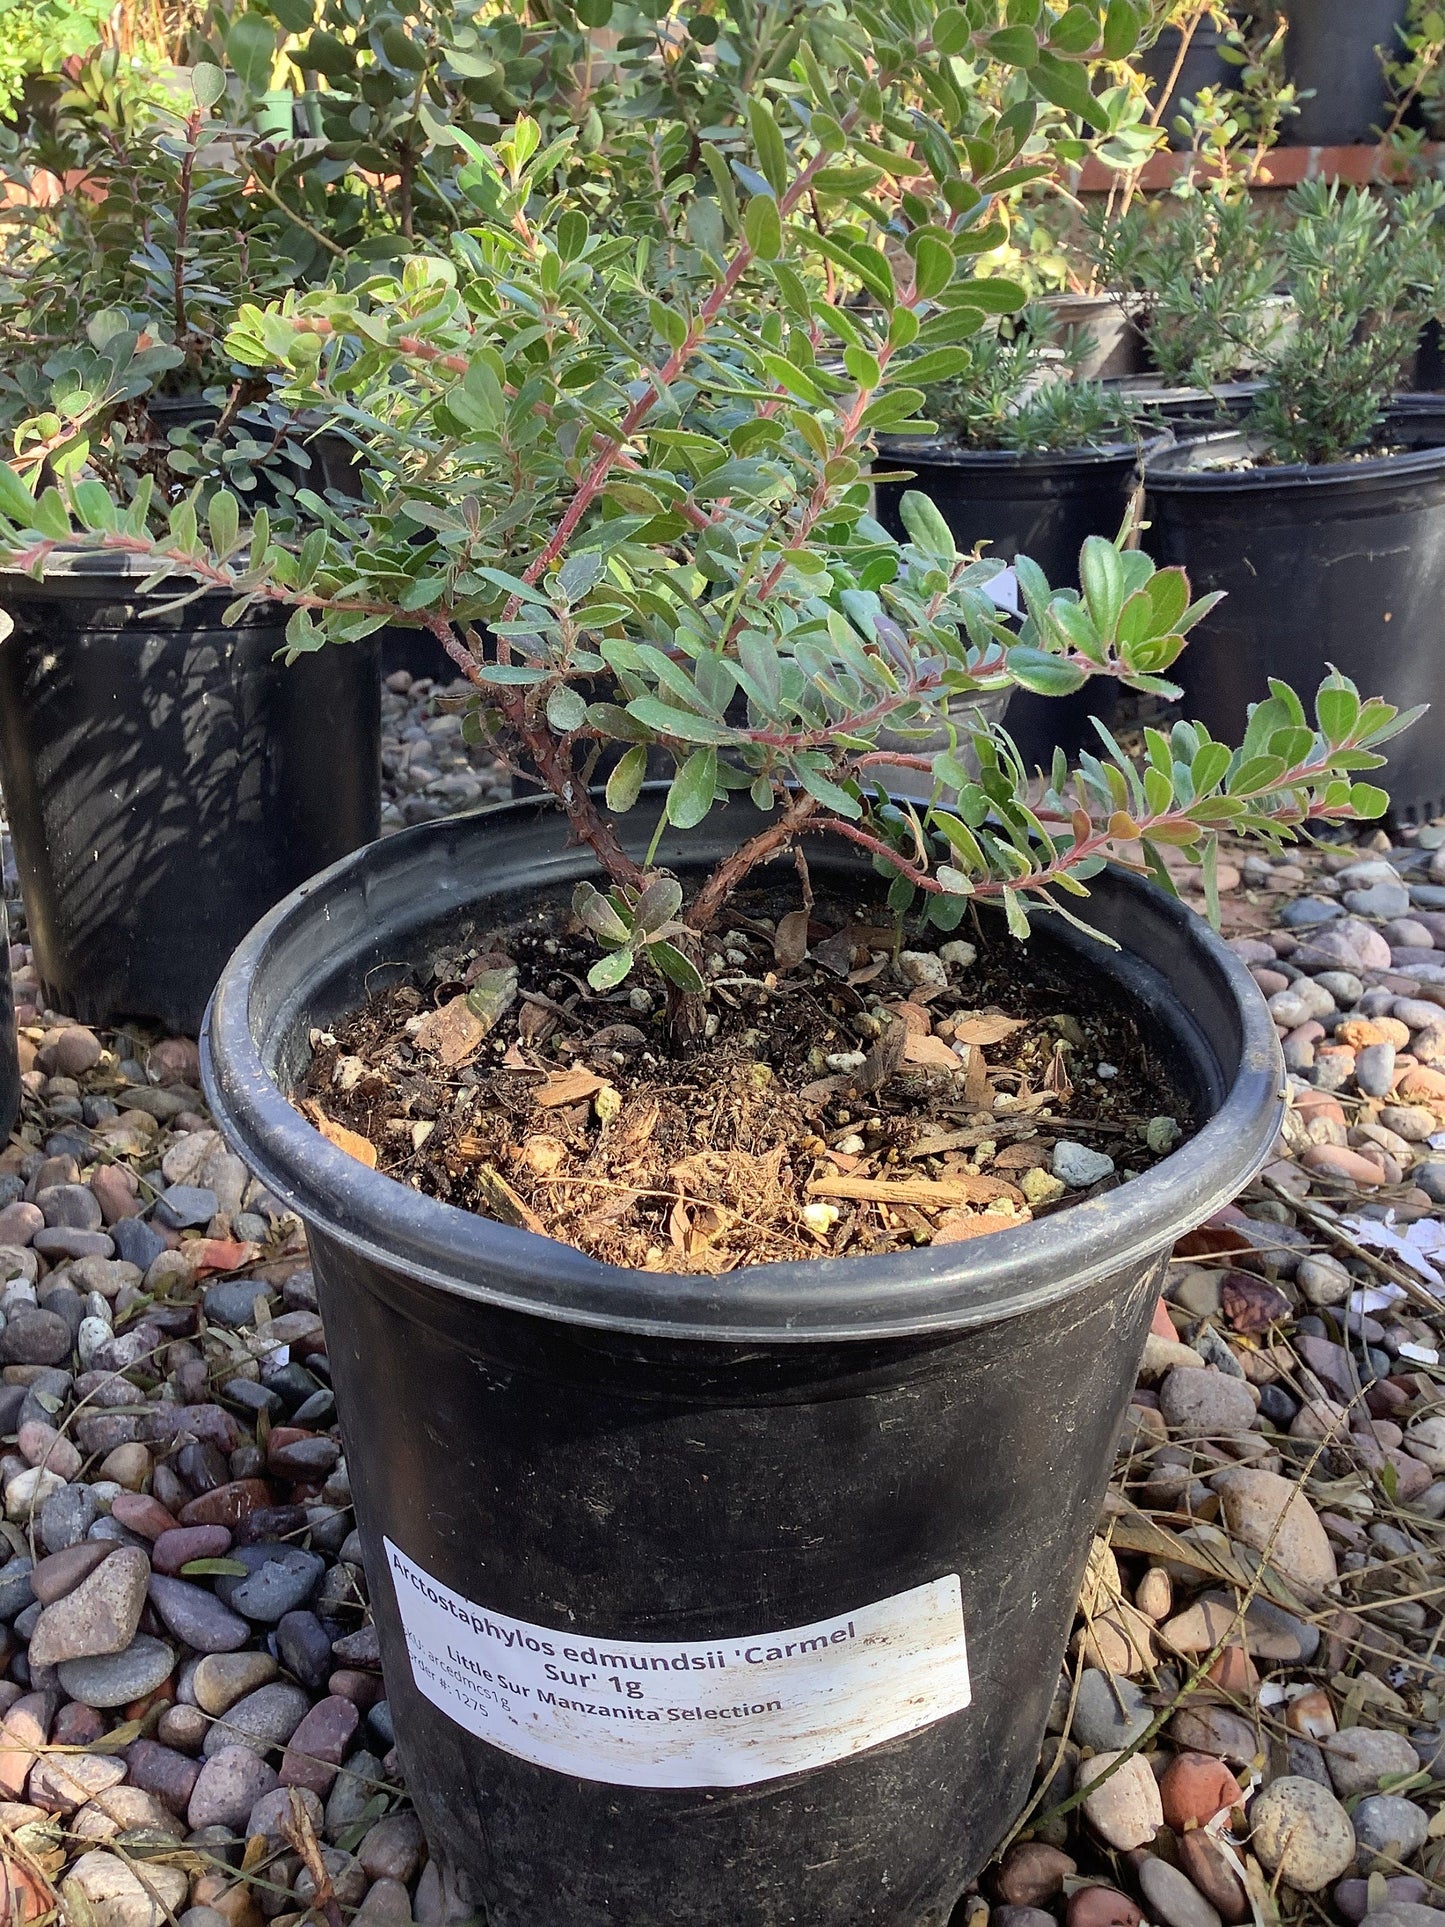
[1388, 1823]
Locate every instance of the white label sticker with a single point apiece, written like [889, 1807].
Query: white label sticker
[724, 1712]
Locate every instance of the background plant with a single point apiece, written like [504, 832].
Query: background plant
[1203, 272]
[1364, 273]
[1016, 389]
[623, 486]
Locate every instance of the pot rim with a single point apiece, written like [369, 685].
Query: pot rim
[942, 451]
[901, 1294]
[1164, 470]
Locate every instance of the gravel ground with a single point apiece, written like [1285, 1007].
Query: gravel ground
[1249, 1721]
[427, 771]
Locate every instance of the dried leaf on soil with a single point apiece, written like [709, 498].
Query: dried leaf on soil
[454, 1034]
[352, 1142]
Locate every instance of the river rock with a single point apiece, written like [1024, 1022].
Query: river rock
[130, 1893]
[230, 1783]
[221, 1679]
[115, 1679]
[1359, 1757]
[1172, 1898]
[319, 1744]
[99, 1617]
[1124, 1810]
[197, 1617]
[1301, 1832]
[1111, 1711]
[279, 1578]
[1205, 1404]
[64, 1781]
[1260, 1508]
[1385, 1824]
[263, 1719]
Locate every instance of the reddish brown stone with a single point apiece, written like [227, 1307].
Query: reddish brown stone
[179, 1545]
[227, 1505]
[319, 1744]
[1206, 1867]
[365, 1689]
[1194, 1788]
[63, 1571]
[160, 1770]
[139, 1512]
[1031, 1875]
[1101, 1907]
[76, 1725]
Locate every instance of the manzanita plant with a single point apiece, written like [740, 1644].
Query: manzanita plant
[621, 478]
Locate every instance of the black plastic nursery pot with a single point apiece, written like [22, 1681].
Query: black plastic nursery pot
[1101, 330]
[1203, 66]
[1339, 563]
[168, 779]
[1041, 506]
[716, 1599]
[1186, 410]
[9, 1044]
[1331, 56]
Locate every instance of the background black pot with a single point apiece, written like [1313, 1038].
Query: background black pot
[1330, 50]
[664, 1459]
[9, 1049]
[168, 779]
[1187, 411]
[1203, 66]
[1101, 329]
[1042, 506]
[1341, 563]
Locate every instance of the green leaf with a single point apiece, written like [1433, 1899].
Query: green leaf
[625, 783]
[659, 903]
[610, 970]
[571, 234]
[926, 527]
[693, 789]
[296, 16]
[214, 1569]
[326, 53]
[251, 50]
[16, 501]
[1015, 46]
[1337, 711]
[1067, 86]
[1101, 573]
[993, 294]
[661, 717]
[566, 710]
[768, 140]
[933, 264]
[938, 364]
[401, 50]
[1121, 29]
[677, 968]
[1043, 674]
[599, 914]
[208, 83]
[1076, 31]
[1209, 767]
[224, 519]
[1015, 915]
[763, 227]
[1367, 800]
[952, 31]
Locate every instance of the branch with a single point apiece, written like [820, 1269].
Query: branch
[659, 381]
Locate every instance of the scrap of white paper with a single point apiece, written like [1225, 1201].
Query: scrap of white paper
[1420, 1245]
